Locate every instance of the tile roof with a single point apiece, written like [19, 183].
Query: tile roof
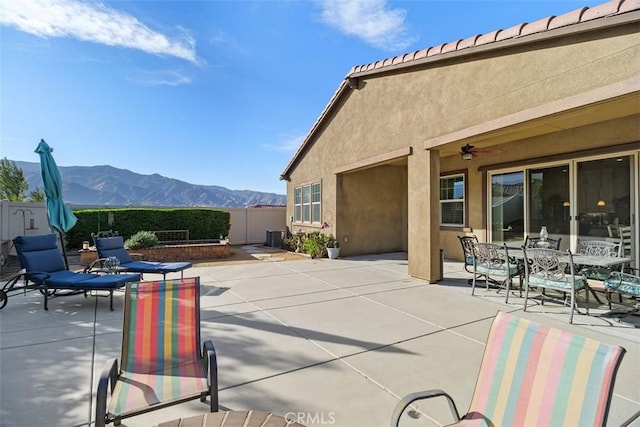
[584, 14]
[516, 33]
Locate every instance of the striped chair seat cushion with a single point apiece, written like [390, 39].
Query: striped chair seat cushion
[623, 283]
[136, 391]
[560, 285]
[533, 374]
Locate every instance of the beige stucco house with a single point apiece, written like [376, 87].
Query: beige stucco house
[551, 109]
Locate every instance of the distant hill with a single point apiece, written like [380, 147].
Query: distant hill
[106, 185]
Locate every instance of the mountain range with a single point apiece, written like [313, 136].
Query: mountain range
[106, 185]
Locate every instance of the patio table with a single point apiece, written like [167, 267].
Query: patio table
[599, 261]
[232, 419]
[583, 260]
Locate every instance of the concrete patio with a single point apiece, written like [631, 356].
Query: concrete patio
[326, 342]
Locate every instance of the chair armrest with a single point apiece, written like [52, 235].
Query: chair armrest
[210, 361]
[13, 278]
[109, 376]
[28, 275]
[421, 395]
[630, 420]
[98, 262]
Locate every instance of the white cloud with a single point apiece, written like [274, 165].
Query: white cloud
[163, 78]
[370, 20]
[92, 22]
[289, 145]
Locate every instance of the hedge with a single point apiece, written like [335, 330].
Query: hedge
[202, 223]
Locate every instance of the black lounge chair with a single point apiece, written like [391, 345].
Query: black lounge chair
[44, 270]
[109, 247]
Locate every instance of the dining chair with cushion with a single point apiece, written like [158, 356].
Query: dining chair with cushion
[468, 244]
[492, 261]
[599, 248]
[553, 270]
[625, 232]
[596, 275]
[624, 284]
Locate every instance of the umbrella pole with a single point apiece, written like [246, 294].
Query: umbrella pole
[64, 250]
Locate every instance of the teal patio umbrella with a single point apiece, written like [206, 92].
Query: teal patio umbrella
[60, 216]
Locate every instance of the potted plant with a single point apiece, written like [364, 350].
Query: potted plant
[333, 248]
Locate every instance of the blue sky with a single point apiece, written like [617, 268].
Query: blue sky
[208, 92]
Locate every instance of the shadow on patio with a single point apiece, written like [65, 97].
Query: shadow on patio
[335, 340]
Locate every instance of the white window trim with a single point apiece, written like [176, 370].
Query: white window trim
[310, 204]
[463, 200]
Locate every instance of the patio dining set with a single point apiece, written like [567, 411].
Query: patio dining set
[597, 267]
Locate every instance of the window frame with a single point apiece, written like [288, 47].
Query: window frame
[302, 206]
[463, 201]
[297, 204]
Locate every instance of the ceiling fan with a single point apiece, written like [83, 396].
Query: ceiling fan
[468, 152]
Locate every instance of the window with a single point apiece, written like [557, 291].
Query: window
[452, 194]
[307, 203]
[315, 202]
[297, 204]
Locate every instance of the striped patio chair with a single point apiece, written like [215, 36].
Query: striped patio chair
[161, 362]
[533, 374]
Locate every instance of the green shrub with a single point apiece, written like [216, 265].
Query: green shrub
[142, 239]
[315, 244]
[290, 243]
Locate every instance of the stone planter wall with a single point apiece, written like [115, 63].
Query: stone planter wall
[170, 253]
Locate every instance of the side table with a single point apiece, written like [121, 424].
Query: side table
[108, 270]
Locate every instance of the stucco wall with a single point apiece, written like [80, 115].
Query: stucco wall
[250, 225]
[373, 221]
[409, 108]
[400, 110]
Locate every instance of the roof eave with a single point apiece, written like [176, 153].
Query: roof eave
[426, 56]
[345, 86]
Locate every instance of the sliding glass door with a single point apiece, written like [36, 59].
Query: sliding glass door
[605, 199]
[507, 207]
[549, 202]
[576, 201]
